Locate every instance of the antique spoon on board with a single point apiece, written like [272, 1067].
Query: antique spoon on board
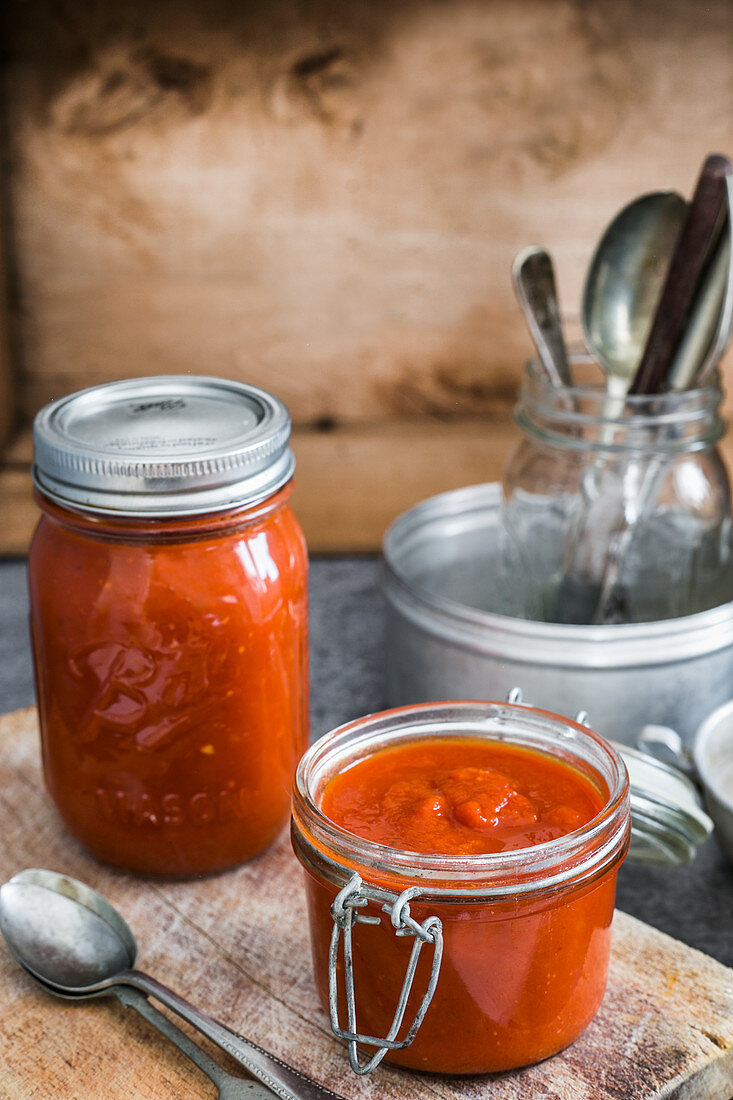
[75, 943]
[228, 1086]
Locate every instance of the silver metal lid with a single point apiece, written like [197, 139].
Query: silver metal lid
[667, 822]
[174, 445]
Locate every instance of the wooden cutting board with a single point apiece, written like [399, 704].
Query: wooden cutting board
[236, 945]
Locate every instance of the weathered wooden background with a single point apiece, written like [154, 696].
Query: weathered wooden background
[324, 198]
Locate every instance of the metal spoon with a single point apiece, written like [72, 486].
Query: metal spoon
[534, 285]
[623, 286]
[708, 329]
[697, 239]
[74, 942]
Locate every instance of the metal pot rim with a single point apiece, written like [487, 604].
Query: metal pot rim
[551, 644]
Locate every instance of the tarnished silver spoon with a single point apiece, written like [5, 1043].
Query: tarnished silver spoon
[624, 283]
[533, 276]
[76, 944]
[620, 296]
[708, 327]
[228, 1086]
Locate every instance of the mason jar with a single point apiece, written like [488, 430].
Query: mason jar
[460, 963]
[168, 617]
[617, 517]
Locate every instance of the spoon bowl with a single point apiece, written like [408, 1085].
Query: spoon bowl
[62, 931]
[625, 281]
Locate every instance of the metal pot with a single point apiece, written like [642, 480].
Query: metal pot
[443, 581]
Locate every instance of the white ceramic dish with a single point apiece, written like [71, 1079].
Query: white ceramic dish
[713, 756]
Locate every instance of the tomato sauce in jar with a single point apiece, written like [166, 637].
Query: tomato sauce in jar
[505, 823]
[169, 620]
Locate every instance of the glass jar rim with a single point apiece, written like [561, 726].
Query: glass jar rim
[575, 858]
[665, 400]
[586, 417]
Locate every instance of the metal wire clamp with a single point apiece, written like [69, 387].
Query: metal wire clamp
[345, 913]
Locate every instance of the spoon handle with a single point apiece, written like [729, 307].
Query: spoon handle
[725, 319]
[285, 1081]
[704, 324]
[230, 1087]
[534, 285]
[696, 241]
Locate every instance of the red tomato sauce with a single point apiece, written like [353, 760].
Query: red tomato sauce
[460, 797]
[171, 668]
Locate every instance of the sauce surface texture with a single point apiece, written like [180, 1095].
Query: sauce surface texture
[460, 796]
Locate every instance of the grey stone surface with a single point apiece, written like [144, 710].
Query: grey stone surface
[694, 904]
[346, 627]
[16, 671]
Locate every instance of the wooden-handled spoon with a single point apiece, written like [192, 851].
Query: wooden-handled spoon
[697, 241]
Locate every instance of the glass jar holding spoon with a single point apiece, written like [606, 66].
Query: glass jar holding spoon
[577, 471]
[657, 310]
